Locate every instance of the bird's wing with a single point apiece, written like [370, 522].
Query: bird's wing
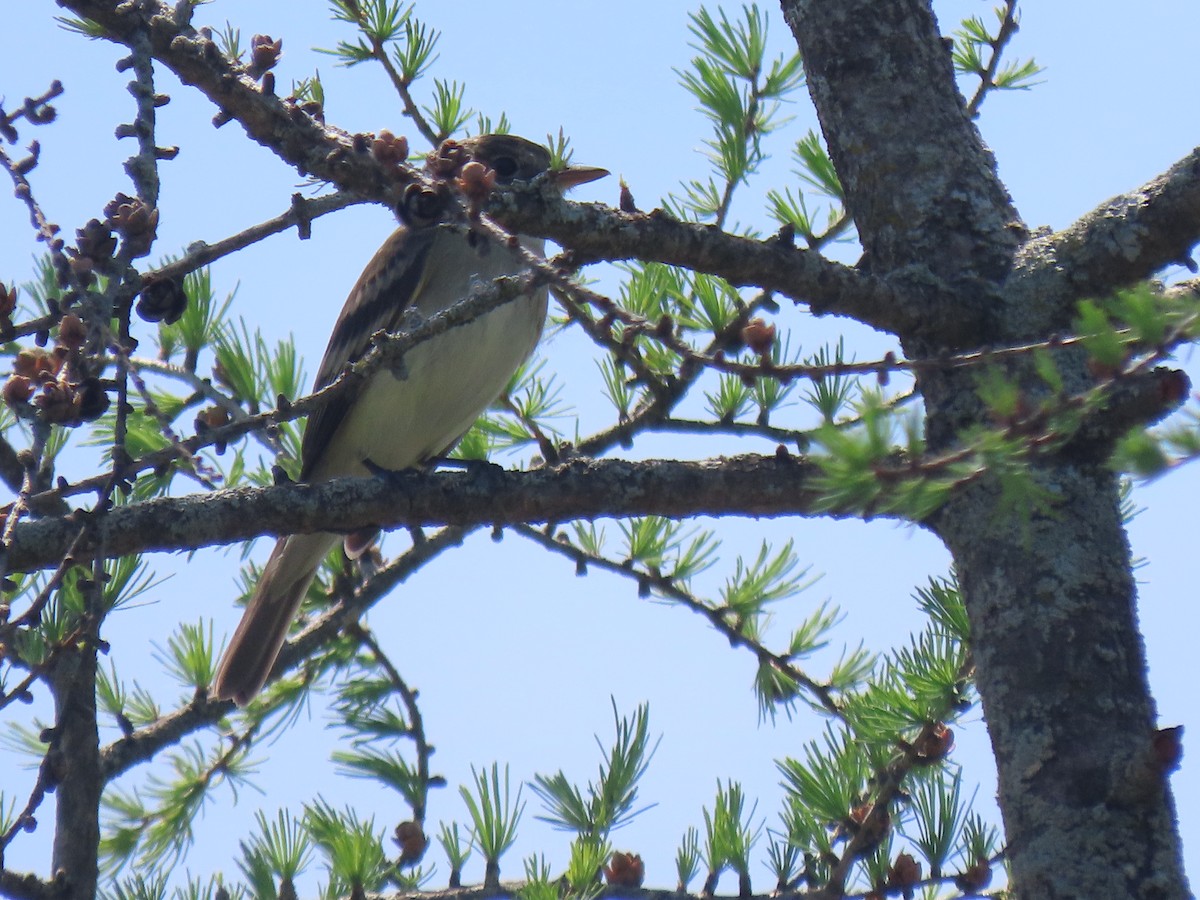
[389, 285]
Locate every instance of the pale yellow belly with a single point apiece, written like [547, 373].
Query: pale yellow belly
[399, 422]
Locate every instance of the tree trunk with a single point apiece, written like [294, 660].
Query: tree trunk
[1048, 583]
[75, 759]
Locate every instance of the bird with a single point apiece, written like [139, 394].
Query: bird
[407, 416]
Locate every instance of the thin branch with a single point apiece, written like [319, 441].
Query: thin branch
[411, 110]
[408, 697]
[142, 745]
[1008, 28]
[716, 616]
[301, 214]
[46, 230]
[34, 110]
[25, 819]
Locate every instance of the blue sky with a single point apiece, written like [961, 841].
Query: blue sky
[515, 657]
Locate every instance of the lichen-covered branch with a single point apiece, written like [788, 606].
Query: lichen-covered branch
[744, 485]
[1128, 238]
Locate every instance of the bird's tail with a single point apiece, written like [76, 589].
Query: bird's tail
[264, 627]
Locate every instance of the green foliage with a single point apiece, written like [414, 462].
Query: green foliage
[152, 828]
[687, 858]
[82, 26]
[278, 851]
[768, 579]
[976, 47]
[385, 25]
[380, 22]
[924, 682]
[942, 602]
[618, 388]
[730, 401]
[560, 150]
[830, 394]
[822, 788]
[415, 53]
[1100, 337]
[448, 113]
[771, 394]
[938, 812]
[188, 657]
[386, 766]
[376, 711]
[351, 846]
[456, 846]
[814, 166]
[527, 410]
[588, 855]
[728, 834]
[859, 465]
[911, 695]
[200, 324]
[309, 90]
[783, 858]
[494, 811]
[608, 803]
[229, 42]
[538, 884]
[739, 93]
[151, 886]
[1153, 453]
[1000, 394]
[662, 545]
[1135, 320]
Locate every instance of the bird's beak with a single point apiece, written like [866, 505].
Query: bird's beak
[573, 176]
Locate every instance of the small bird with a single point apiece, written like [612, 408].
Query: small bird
[403, 418]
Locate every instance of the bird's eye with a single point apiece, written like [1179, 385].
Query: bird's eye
[505, 167]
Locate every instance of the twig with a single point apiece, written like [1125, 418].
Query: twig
[669, 588]
[1008, 28]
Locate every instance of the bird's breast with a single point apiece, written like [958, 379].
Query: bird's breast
[404, 417]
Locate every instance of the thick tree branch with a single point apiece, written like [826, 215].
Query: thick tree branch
[141, 745]
[1128, 238]
[26, 886]
[743, 485]
[597, 232]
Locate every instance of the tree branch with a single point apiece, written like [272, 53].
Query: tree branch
[1130, 237]
[920, 185]
[26, 886]
[278, 124]
[598, 232]
[743, 485]
[141, 745]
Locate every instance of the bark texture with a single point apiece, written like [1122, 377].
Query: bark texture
[948, 266]
[75, 777]
[1049, 588]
